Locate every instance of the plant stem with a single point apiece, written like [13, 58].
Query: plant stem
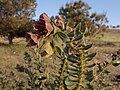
[82, 66]
[61, 74]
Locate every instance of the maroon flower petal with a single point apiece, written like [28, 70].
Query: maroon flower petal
[43, 26]
[44, 17]
[40, 27]
[49, 28]
[33, 39]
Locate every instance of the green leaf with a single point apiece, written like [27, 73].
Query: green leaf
[106, 71]
[88, 58]
[58, 50]
[74, 65]
[87, 47]
[116, 64]
[92, 65]
[73, 69]
[52, 44]
[87, 33]
[43, 54]
[90, 87]
[73, 58]
[71, 34]
[72, 80]
[72, 72]
[62, 36]
[89, 75]
[77, 29]
[92, 55]
[78, 37]
[66, 49]
[99, 67]
[64, 84]
[70, 84]
[73, 75]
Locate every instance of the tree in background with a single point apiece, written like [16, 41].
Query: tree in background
[79, 11]
[16, 17]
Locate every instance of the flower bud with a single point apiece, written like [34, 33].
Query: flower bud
[59, 22]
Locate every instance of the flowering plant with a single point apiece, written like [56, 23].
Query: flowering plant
[60, 58]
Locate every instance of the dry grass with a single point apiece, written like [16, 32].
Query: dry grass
[106, 45]
[11, 55]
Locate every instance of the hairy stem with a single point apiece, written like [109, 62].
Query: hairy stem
[82, 67]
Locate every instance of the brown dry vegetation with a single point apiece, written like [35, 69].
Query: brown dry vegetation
[105, 45]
